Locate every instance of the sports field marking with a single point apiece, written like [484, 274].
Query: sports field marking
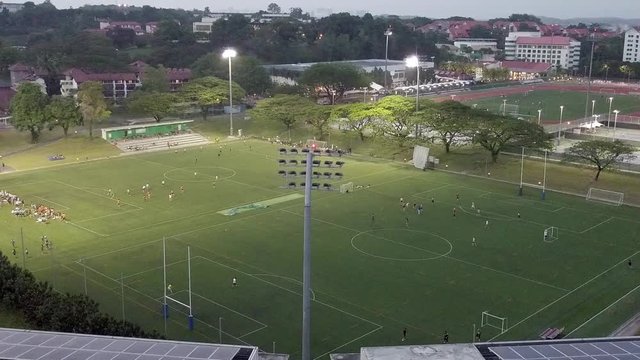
[596, 225]
[259, 204]
[450, 257]
[51, 202]
[603, 310]
[436, 255]
[86, 229]
[261, 324]
[313, 294]
[565, 295]
[96, 194]
[430, 190]
[108, 215]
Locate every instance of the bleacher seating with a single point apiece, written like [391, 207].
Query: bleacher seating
[160, 143]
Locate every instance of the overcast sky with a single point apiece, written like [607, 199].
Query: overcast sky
[479, 9]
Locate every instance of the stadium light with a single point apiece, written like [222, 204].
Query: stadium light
[387, 33]
[229, 54]
[593, 107]
[539, 114]
[313, 149]
[609, 117]
[504, 107]
[560, 123]
[414, 61]
[615, 122]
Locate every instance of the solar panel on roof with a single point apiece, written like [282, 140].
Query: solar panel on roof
[14, 351]
[36, 340]
[36, 353]
[181, 350]
[203, 352]
[579, 350]
[98, 344]
[57, 340]
[79, 355]
[160, 349]
[59, 354]
[118, 345]
[225, 353]
[139, 347]
[126, 356]
[102, 356]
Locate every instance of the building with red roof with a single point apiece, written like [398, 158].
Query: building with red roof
[559, 51]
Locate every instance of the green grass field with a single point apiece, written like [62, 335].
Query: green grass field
[550, 101]
[370, 278]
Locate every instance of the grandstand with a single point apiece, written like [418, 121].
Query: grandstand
[162, 143]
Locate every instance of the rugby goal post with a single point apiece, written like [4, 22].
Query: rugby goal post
[550, 234]
[346, 188]
[494, 321]
[606, 196]
[510, 109]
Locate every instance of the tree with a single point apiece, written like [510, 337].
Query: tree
[359, 116]
[92, 104]
[318, 116]
[449, 120]
[600, 153]
[155, 79]
[281, 108]
[209, 91]
[274, 8]
[605, 68]
[495, 132]
[122, 37]
[333, 79]
[155, 104]
[397, 115]
[28, 110]
[296, 12]
[64, 112]
[627, 70]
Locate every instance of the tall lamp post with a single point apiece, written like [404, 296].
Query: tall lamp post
[387, 33]
[504, 107]
[229, 54]
[413, 61]
[539, 115]
[593, 107]
[609, 117]
[615, 122]
[560, 123]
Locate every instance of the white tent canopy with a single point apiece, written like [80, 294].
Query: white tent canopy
[591, 125]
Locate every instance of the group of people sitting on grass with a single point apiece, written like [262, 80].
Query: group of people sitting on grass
[41, 213]
[8, 198]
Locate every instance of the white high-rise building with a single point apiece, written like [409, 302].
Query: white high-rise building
[631, 42]
[561, 52]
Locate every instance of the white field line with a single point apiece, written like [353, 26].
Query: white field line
[558, 209]
[108, 215]
[85, 229]
[430, 190]
[596, 225]
[261, 325]
[603, 310]
[313, 294]
[446, 256]
[94, 193]
[347, 343]
[565, 295]
[52, 202]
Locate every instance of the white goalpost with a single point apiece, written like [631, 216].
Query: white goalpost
[550, 234]
[606, 196]
[510, 109]
[165, 305]
[494, 321]
[346, 188]
[541, 185]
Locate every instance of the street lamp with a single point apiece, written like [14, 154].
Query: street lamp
[560, 123]
[539, 114]
[593, 107]
[414, 62]
[387, 33]
[504, 107]
[615, 122]
[228, 54]
[609, 117]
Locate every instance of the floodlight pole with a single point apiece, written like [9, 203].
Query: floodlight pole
[165, 307]
[560, 123]
[544, 176]
[306, 263]
[539, 115]
[586, 105]
[189, 274]
[609, 117]
[387, 33]
[521, 172]
[615, 123]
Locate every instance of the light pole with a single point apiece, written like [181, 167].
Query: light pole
[560, 123]
[609, 117]
[593, 107]
[504, 107]
[387, 33]
[539, 115]
[413, 61]
[228, 54]
[615, 123]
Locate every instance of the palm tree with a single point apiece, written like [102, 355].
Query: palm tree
[606, 67]
[626, 69]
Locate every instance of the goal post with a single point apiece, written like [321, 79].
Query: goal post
[494, 321]
[535, 180]
[509, 109]
[346, 188]
[606, 196]
[550, 234]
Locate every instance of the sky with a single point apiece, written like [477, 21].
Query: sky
[478, 9]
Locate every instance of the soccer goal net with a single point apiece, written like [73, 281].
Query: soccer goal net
[316, 144]
[509, 109]
[550, 234]
[494, 321]
[606, 196]
[346, 188]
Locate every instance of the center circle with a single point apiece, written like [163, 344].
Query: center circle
[198, 174]
[401, 244]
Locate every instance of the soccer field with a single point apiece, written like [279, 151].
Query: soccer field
[549, 102]
[371, 277]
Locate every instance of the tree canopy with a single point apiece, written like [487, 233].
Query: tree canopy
[495, 133]
[28, 110]
[286, 109]
[155, 104]
[63, 112]
[333, 79]
[450, 121]
[599, 153]
[209, 91]
[92, 104]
